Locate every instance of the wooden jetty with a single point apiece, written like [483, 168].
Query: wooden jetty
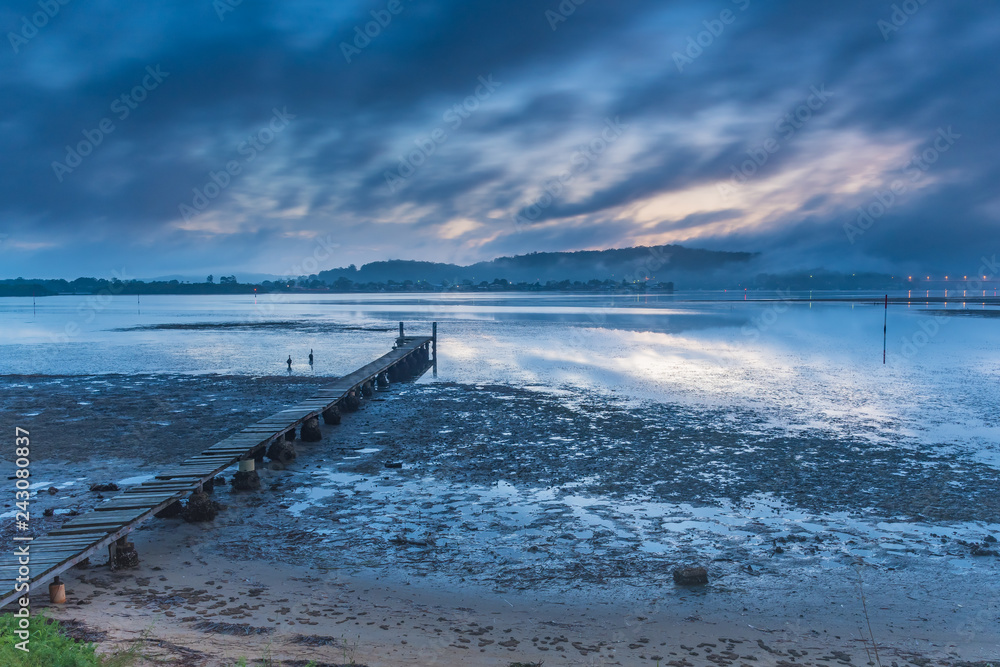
[108, 525]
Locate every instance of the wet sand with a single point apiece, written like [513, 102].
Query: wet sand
[199, 609]
[518, 539]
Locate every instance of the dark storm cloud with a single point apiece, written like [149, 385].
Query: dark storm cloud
[892, 84]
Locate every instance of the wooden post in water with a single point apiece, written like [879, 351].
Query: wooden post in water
[434, 346]
[885, 327]
[400, 330]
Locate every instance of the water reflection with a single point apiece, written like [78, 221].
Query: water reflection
[802, 362]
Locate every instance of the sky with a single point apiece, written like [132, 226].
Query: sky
[229, 136]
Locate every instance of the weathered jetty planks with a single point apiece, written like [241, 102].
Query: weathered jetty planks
[107, 526]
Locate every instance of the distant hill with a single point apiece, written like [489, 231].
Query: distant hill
[657, 263]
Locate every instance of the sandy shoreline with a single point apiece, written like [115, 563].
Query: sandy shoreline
[339, 559]
[203, 610]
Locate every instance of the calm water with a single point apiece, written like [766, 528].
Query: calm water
[804, 364]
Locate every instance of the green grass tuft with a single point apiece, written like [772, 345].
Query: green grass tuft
[51, 648]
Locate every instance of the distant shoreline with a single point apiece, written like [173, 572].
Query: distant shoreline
[872, 297]
[111, 288]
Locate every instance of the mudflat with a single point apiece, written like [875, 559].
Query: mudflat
[520, 526]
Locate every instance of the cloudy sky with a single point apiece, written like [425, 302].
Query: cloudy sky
[198, 136]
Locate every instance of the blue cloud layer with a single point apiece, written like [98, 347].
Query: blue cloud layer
[402, 152]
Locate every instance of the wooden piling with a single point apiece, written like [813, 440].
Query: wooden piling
[57, 592]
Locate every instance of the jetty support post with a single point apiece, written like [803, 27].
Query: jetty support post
[122, 554]
[113, 548]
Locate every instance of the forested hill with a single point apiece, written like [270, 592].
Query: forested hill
[657, 263]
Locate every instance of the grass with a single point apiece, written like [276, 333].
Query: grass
[50, 647]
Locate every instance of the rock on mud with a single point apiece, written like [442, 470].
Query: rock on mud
[281, 451]
[246, 481]
[200, 508]
[983, 550]
[310, 431]
[331, 415]
[110, 486]
[690, 576]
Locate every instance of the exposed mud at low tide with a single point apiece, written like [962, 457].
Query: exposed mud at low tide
[964, 312]
[558, 495]
[479, 435]
[152, 419]
[270, 325]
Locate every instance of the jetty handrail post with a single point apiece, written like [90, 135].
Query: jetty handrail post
[434, 346]
[401, 339]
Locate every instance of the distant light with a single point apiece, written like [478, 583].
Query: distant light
[946, 277]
